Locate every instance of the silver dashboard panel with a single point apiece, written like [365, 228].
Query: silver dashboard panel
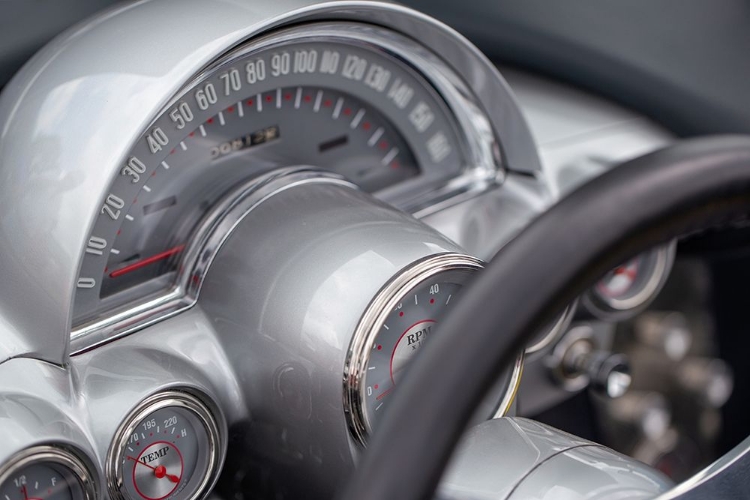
[81, 400]
[63, 162]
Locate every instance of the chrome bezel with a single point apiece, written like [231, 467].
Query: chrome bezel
[58, 455]
[185, 399]
[482, 170]
[612, 309]
[559, 327]
[372, 320]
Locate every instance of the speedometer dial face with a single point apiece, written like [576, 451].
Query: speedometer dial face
[326, 96]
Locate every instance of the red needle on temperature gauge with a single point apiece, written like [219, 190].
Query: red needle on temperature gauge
[159, 471]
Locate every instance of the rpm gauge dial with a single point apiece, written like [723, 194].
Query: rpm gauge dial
[400, 321]
[167, 448]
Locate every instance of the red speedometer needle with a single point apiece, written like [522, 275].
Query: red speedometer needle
[159, 471]
[148, 260]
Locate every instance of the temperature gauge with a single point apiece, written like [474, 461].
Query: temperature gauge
[167, 449]
[46, 473]
[627, 289]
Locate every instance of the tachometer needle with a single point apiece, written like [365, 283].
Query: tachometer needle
[159, 471]
[148, 260]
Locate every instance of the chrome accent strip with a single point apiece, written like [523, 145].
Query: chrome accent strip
[58, 455]
[182, 399]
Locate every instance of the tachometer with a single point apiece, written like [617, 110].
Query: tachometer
[337, 96]
[399, 323]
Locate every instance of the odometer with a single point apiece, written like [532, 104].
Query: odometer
[329, 96]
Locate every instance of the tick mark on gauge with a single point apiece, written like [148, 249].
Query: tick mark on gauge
[147, 189]
[380, 347]
[386, 326]
[318, 99]
[390, 156]
[416, 301]
[240, 109]
[259, 100]
[375, 136]
[432, 301]
[278, 98]
[115, 251]
[337, 109]
[203, 130]
[449, 299]
[357, 118]
[378, 407]
[401, 314]
[222, 122]
[129, 217]
[298, 98]
[165, 165]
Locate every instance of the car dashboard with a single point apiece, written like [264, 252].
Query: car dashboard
[224, 241]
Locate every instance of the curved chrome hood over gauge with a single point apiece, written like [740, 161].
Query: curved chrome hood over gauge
[61, 170]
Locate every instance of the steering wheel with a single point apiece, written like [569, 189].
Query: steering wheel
[686, 188]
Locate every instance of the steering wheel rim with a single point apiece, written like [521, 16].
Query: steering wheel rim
[691, 186]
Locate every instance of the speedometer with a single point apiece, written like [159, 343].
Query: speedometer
[338, 96]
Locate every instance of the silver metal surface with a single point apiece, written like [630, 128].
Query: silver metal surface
[285, 294]
[57, 455]
[172, 398]
[516, 458]
[89, 84]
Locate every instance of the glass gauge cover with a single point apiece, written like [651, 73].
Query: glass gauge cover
[46, 473]
[399, 322]
[168, 448]
[627, 289]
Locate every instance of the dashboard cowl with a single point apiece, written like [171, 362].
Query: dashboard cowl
[70, 115]
[285, 293]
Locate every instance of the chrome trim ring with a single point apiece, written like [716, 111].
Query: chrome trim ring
[372, 320]
[58, 455]
[559, 327]
[172, 398]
